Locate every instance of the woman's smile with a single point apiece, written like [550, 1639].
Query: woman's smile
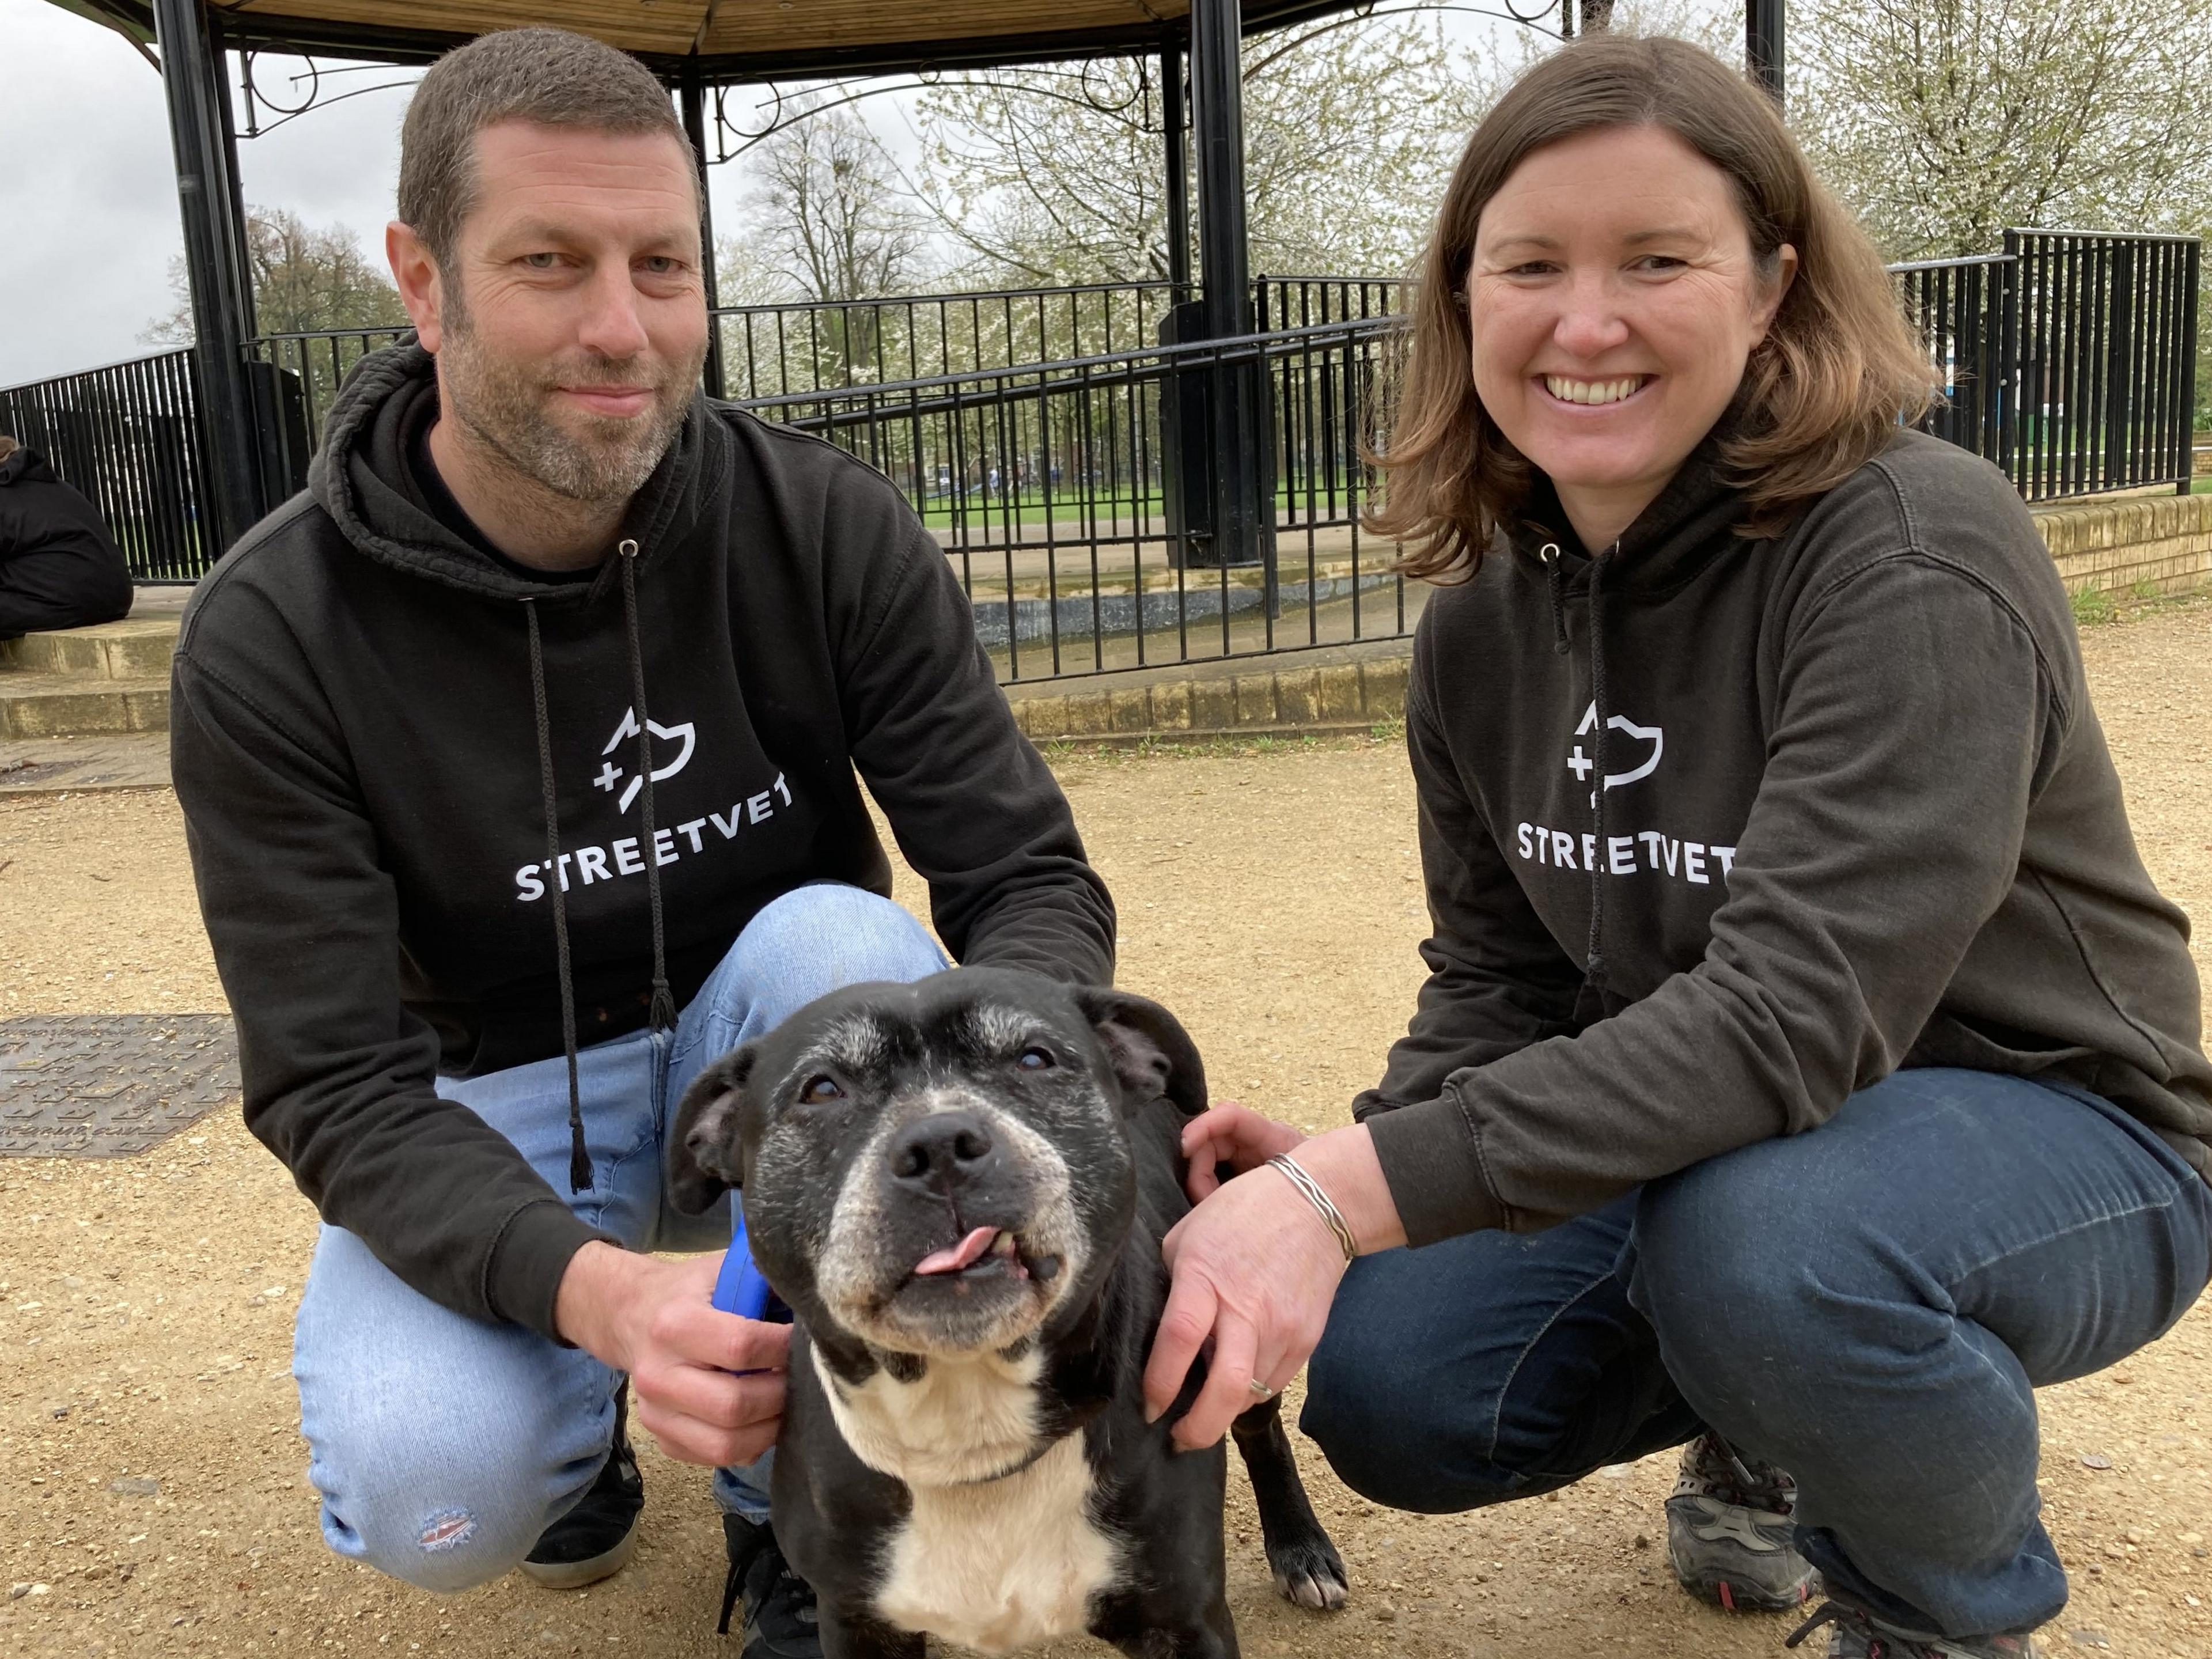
[1595, 394]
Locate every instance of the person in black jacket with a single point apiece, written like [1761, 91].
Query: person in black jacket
[1808, 1066]
[521, 757]
[59, 566]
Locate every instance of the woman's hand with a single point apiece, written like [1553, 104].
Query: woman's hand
[1233, 1135]
[1255, 1267]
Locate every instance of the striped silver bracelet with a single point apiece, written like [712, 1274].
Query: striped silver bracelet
[1295, 1174]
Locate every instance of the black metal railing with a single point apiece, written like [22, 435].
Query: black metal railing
[128, 437]
[1050, 439]
[770, 351]
[2070, 359]
[1063, 496]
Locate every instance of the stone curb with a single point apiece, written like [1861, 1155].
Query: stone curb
[1258, 702]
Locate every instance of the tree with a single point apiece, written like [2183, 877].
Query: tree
[1942, 122]
[832, 212]
[1055, 175]
[831, 221]
[305, 277]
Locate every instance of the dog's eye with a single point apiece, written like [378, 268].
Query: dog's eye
[817, 1089]
[1036, 1060]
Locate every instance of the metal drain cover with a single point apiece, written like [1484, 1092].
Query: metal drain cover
[109, 1086]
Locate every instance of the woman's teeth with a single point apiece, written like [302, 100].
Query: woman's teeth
[1591, 392]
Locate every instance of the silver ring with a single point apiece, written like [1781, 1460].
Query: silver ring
[1260, 1388]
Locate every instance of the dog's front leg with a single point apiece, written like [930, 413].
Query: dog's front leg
[1306, 1567]
[867, 1638]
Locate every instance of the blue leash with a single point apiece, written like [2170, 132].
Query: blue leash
[740, 1289]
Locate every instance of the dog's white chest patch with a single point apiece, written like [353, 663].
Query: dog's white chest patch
[1007, 1565]
[992, 1564]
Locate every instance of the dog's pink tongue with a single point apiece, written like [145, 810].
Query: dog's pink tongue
[967, 1251]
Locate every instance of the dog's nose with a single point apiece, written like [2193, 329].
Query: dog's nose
[941, 1151]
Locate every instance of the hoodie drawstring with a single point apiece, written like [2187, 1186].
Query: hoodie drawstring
[1594, 961]
[580, 1157]
[662, 1017]
[1548, 556]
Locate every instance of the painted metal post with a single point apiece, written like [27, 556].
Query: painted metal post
[1217, 87]
[1174, 122]
[205, 201]
[693, 94]
[241, 229]
[2185, 344]
[1243, 510]
[1763, 45]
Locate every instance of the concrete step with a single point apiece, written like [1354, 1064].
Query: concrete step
[138, 647]
[34, 705]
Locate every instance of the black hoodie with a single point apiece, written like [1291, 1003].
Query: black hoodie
[361, 699]
[1718, 831]
[59, 566]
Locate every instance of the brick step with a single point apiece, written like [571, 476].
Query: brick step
[136, 648]
[71, 705]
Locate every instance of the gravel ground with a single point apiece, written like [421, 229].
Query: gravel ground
[152, 1489]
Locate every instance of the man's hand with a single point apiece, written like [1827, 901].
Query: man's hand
[656, 1321]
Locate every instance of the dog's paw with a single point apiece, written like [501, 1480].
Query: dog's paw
[1310, 1574]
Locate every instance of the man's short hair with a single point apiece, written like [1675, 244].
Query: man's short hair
[7, 446]
[550, 77]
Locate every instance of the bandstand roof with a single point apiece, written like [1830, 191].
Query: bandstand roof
[732, 39]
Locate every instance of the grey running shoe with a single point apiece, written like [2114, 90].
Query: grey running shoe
[1855, 1635]
[1728, 1531]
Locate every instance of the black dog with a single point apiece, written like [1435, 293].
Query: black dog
[960, 1187]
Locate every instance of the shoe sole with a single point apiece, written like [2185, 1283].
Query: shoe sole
[574, 1575]
[1732, 1597]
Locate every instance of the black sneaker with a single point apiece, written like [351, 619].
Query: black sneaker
[781, 1620]
[1729, 1534]
[595, 1540]
[1853, 1634]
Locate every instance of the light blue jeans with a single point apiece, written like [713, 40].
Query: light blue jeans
[444, 1446]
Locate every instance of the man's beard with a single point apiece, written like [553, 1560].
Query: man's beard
[507, 407]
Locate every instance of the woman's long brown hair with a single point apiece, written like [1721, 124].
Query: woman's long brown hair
[1838, 370]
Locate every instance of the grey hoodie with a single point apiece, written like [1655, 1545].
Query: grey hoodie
[1718, 831]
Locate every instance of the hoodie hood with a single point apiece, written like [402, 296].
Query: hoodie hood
[357, 474]
[26, 466]
[1687, 525]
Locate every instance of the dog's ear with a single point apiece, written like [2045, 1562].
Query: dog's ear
[704, 1159]
[1153, 1055]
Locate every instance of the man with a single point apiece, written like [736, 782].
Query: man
[59, 566]
[460, 878]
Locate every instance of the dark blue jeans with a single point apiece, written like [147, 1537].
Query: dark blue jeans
[1869, 1305]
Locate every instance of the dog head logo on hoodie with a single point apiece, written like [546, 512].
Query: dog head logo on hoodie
[610, 774]
[1582, 765]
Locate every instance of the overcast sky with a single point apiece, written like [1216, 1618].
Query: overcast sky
[88, 180]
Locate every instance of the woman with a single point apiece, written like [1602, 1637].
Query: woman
[1808, 1068]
